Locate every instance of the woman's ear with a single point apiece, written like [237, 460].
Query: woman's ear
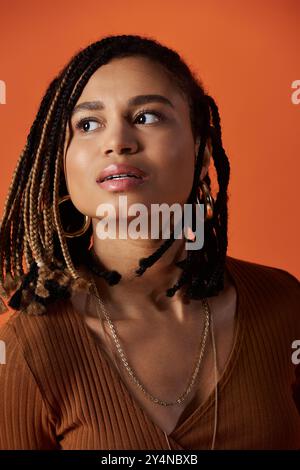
[207, 155]
[197, 145]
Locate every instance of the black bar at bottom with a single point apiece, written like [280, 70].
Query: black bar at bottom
[138, 459]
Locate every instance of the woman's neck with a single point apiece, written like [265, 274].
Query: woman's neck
[149, 288]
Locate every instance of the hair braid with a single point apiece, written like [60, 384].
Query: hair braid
[58, 222]
[33, 208]
[13, 200]
[146, 263]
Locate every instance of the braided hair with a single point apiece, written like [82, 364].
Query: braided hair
[37, 262]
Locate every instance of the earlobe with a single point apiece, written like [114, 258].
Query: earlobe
[207, 154]
[206, 157]
[206, 161]
[208, 147]
[197, 145]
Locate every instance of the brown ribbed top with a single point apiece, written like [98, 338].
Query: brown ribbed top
[58, 390]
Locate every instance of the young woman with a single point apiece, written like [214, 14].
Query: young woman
[136, 343]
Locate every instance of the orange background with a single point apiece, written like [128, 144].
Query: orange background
[246, 53]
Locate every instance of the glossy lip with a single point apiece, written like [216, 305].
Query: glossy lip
[125, 184]
[119, 168]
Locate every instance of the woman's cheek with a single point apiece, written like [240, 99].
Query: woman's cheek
[77, 161]
[77, 169]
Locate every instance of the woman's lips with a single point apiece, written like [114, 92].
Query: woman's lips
[130, 177]
[122, 184]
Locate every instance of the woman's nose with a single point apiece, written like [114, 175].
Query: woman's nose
[120, 148]
[120, 139]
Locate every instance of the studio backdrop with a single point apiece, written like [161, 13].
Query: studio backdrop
[245, 53]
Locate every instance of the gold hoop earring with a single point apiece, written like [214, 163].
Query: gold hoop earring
[208, 201]
[85, 226]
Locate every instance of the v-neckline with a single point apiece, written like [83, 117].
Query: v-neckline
[208, 402]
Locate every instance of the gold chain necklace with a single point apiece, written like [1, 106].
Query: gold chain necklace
[129, 369]
[216, 374]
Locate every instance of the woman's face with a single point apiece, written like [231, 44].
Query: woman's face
[155, 136]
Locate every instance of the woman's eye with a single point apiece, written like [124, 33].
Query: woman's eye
[154, 117]
[145, 117]
[85, 125]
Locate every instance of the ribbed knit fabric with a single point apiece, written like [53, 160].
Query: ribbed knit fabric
[59, 391]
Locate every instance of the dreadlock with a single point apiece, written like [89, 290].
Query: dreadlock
[31, 230]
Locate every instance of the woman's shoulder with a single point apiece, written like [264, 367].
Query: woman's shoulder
[270, 272]
[44, 347]
[23, 390]
[35, 335]
[268, 292]
[264, 276]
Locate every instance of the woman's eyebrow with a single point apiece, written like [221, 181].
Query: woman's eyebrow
[134, 101]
